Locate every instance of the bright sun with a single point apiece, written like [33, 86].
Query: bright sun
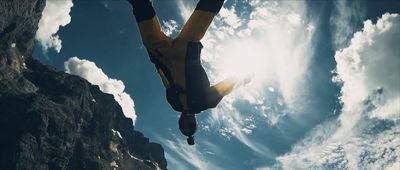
[241, 59]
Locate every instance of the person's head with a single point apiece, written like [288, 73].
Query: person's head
[188, 125]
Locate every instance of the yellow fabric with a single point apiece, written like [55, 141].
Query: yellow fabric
[196, 26]
[173, 51]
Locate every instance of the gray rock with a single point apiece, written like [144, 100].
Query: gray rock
[53, 120]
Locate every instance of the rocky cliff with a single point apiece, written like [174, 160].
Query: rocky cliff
[53, 120]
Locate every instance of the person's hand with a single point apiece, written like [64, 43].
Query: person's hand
[244, 79]
[247, 79]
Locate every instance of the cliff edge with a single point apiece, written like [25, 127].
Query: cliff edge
[53, 120]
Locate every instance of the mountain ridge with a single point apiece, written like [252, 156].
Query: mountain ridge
[54, 120]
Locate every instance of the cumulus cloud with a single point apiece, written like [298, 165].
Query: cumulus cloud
[372, 61]
[365, 135]
[345, 16]
[170, 27]
[54, 16]
[95, 75]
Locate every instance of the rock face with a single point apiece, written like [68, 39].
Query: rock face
[53, 120]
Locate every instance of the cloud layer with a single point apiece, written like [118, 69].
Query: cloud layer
[345, 16]
[89, 71]
[270, 40]
[273, 41]
[54, 16]
[365, 136]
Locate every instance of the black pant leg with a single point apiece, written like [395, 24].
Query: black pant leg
[142, 9]
[210, 5]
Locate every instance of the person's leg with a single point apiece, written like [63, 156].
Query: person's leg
[149, 25]
[200, 20]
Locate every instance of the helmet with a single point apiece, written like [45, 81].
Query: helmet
[188, 126]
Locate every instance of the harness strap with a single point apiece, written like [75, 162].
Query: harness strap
[173, 90]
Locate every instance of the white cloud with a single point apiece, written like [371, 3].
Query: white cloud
[365, 151]
[186, 8]
[276, 51]
[190, 153]
[365, 135]
[170, 27]
[273, 42]
[229, 17]
[294, 19]
[55, 15]
[345, 16]
[89, 71]
[195, 155]
[371, 61]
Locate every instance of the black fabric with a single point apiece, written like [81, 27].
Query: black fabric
[197, 83]
[172, 94]
[173, 91]
[213, 98]
[142, 10]
[200, 96]
[161, 66]
[210, 5]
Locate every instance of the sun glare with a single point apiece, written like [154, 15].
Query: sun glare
[242, 59]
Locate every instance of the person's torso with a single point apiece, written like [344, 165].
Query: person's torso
[179, 66]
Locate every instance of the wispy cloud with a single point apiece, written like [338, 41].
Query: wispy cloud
[193, 155]
[186, 8]
[106, 4]
[54, 16]
[271, 41]
[365, 135]
[345, 16]
[95, 75]
[274, 44]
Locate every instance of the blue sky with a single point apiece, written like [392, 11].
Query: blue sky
[314, 103]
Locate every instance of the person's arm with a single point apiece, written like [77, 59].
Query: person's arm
[219, 91]
[200, 20]
[226, 86]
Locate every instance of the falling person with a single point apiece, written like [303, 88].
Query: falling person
[177, 61]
